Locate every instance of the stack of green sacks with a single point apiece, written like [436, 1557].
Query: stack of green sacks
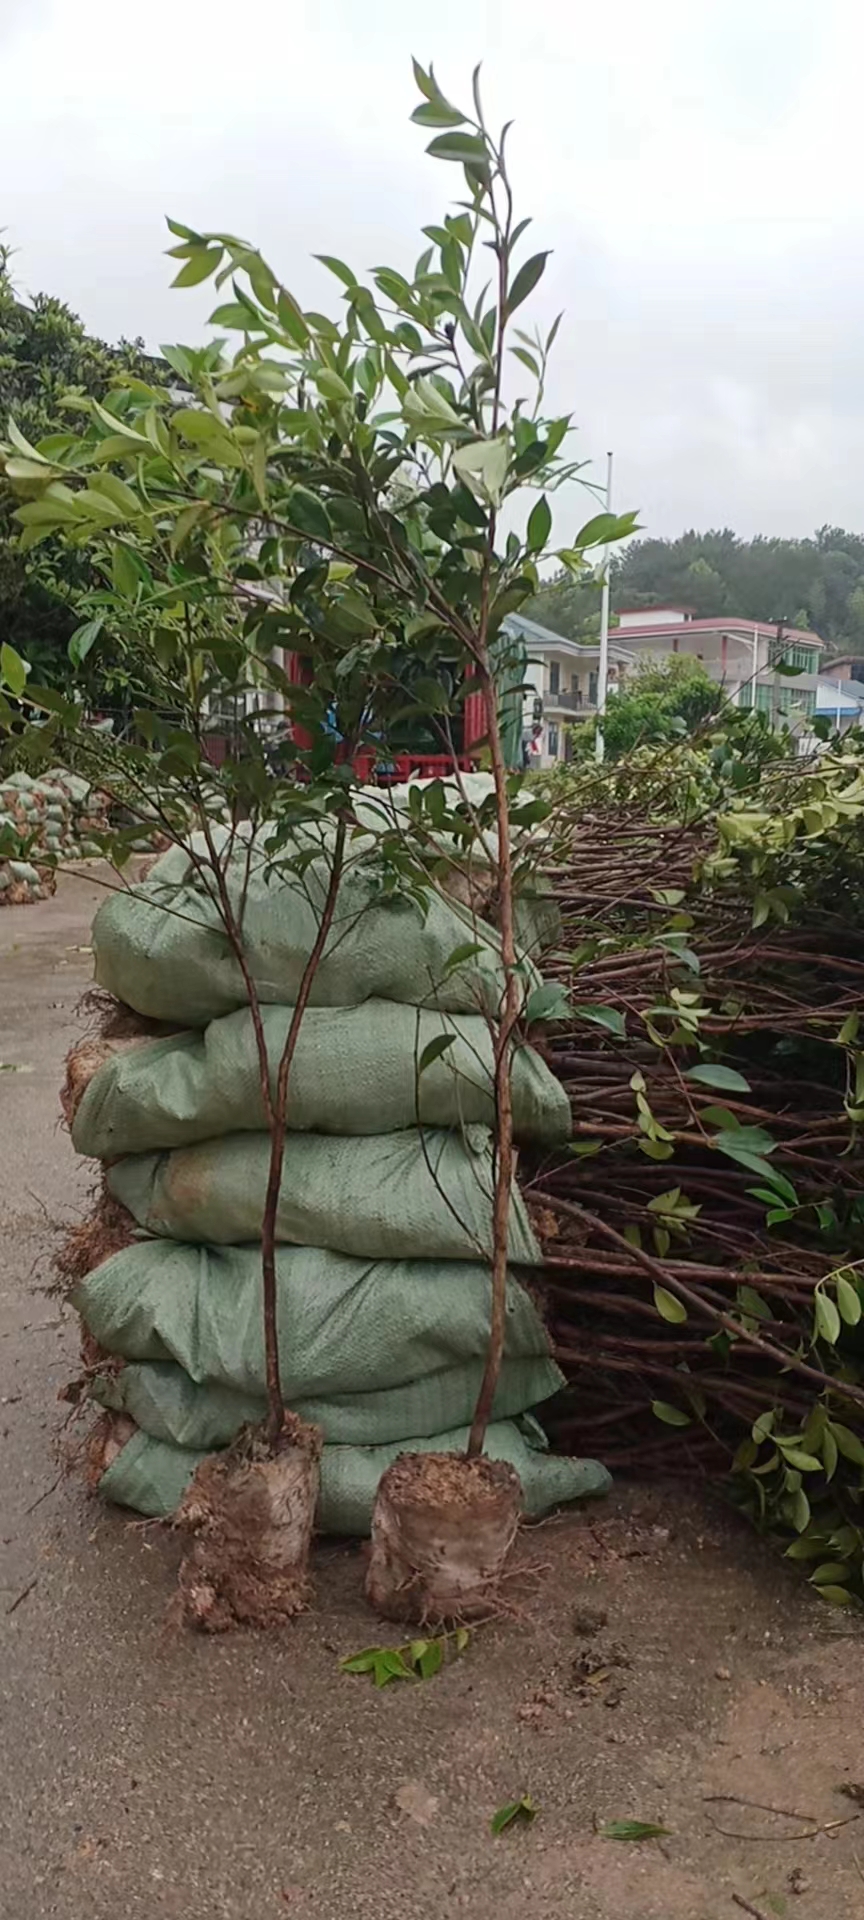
[42, 821]
[384, 1221]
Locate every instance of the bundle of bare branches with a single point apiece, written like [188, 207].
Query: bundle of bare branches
[703, 1235]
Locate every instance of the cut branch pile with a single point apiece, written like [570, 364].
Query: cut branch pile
[702, 1235]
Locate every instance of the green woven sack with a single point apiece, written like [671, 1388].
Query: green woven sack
[354, 1072]
[391, 1196]
[345, 1326]
[151, 1477]
[163, 950]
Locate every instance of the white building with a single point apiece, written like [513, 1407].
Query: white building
[742, 655]
[561, 682]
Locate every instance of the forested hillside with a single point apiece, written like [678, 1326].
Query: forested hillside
[817, 582]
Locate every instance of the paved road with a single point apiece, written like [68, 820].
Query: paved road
[148, 1775]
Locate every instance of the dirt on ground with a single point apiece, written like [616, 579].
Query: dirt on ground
[658, 1664]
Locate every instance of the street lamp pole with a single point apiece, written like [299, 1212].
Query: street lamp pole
[603, 663]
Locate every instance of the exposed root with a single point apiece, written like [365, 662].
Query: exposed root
[108, 1229]
[251, 1512]
[84, 1060]
[105, 1440]
[111, 1019]
[442, 1531]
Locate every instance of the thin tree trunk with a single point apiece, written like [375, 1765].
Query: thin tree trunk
[275, 1401]
[276, 1110]
[504, 1163]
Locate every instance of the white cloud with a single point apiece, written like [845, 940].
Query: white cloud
[695, 168]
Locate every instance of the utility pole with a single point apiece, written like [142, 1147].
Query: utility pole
[603, 664]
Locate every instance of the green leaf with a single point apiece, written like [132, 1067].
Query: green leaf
[539, 525]
[607, 1017]
[830, 1572]
[186, 519]
[13, 670]
[752, 1303]
[27, 470]
[515, 1811]
[84, 638]
[800, 1510]
[849, 1031]
[291, 317]
[434, 1049]
[483, 467]
[527, 359]
[459, 955]
[259, 468]
[669, 1306]
[848, 1300]
[827, 1318]
[343, 273]
[672, 1416]
[467, 148]
[118, 493]
[724, 1078]
[23, 446]
[547, 1003]
[239, 318]
[438, 113]
[332, 386]
[431, 1660]
[424, 80]
[461, 1639]
[390, 1666]
[124, 573]
[596, 532]
[199, 266]
[361, 1662]
[308, 514]
[830, 1454]
[752, 1161]
[525, 280]
[795, 1457]
[836, 1596]
[632, 1830]
[848, 1443]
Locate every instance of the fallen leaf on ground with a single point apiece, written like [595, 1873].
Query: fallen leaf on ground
[514, 1813]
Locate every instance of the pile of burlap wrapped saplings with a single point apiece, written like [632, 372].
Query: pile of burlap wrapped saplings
[45, 820]
[385, 1212]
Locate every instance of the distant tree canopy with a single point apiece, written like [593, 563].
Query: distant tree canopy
[45, 354]
[816, 583]
[664, 701]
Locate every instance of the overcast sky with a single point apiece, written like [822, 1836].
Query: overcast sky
[695, 164]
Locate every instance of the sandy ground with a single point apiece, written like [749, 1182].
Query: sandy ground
[146, 1775]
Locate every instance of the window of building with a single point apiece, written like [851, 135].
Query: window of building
[786, 700]
[554, 677]
[780, 653]
[592, 688]
[552, 739]
[796, 699]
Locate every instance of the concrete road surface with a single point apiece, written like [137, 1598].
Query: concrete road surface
[149, 1775]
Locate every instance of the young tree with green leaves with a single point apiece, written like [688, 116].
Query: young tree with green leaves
[46, 354]
[336, 490]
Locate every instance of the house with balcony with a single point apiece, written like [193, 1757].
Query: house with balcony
[561, 684]
[741, 655]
